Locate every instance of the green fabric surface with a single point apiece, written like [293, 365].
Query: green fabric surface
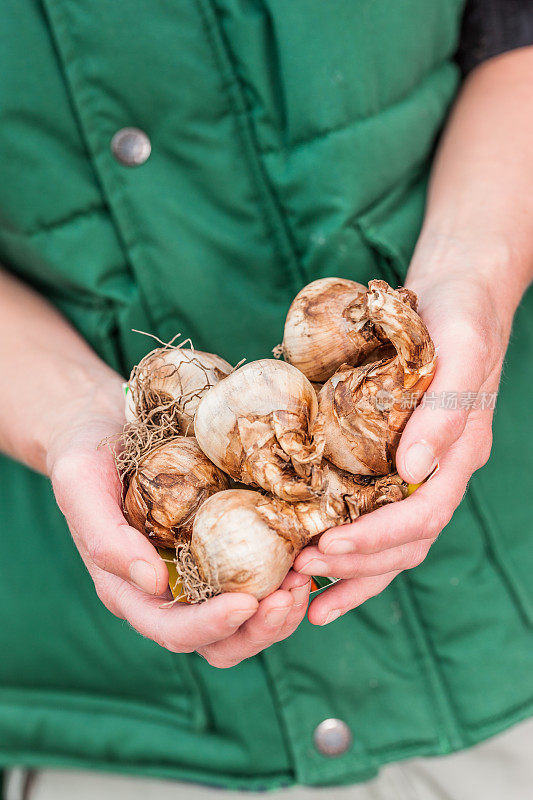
[290, 140]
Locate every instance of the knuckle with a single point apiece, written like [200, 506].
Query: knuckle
[260, 641]
[431, 519]
[473, 337]
[116, 601]
[61, 478]
[439, 518]
[109, 601]
[372, 543]
[98, 553]
[425, 516]
[173, 646]
[484, 451]
[352, 567]
[452, 425]
[418, 554]
[65, 470]
[160, 635]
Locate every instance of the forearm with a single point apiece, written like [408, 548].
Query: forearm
[58, 401]
[479, 218]
[50, 375]
[471, 266]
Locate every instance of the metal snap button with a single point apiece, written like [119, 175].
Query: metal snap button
[332, 737]
[131, 146]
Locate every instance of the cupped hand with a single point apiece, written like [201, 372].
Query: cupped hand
[130, 578]
[451, 430]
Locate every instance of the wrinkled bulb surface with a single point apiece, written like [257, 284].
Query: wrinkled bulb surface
[363, 410]
[255, 425]
[241, 541]
[167, 489]
[244, 541]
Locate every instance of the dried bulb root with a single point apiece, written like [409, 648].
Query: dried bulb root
[162, 394]
[256, 426]
[168, 487]
[195, 589]
[166, 386]
[319, 336]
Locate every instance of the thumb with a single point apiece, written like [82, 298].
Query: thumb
[441, 417]
[88, 493]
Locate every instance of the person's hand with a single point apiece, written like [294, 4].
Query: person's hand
[471, 340]
[130, 578]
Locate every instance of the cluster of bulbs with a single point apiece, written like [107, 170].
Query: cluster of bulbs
[312, 435]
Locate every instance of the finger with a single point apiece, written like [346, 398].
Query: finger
[421, 516]
[88, 492]
[300, 587]
[180, 628]
[345, 596]
[441, 418]
[267, 626]
[259, 632]
[293, 581]
[264, 629]
[406, 556]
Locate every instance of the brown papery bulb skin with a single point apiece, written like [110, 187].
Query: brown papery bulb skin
[169, 383]
[242, 541]
[394, 316]
[255, 425]
[377, 492]
[318, 335]
[346, 497]
[363, 410]
[167, 489]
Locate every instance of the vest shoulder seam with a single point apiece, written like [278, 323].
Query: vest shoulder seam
[334, 129]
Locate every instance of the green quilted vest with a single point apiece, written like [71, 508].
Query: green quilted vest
[290, 140]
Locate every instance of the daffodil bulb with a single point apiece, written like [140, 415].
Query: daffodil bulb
[245, 541]
[166, 386]
[168, 487]
[256, 426]
[363, 410]
[319, 336]
[242, 541]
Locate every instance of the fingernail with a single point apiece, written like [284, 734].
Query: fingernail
[433, 472]
[314, 567]
[339, 547]
[239, 616]
[277, 616]
[143, 575]
[419, 462]
[300, 594]
[332, 616]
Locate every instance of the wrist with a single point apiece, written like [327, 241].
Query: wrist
[85, 399]
[479, 272]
